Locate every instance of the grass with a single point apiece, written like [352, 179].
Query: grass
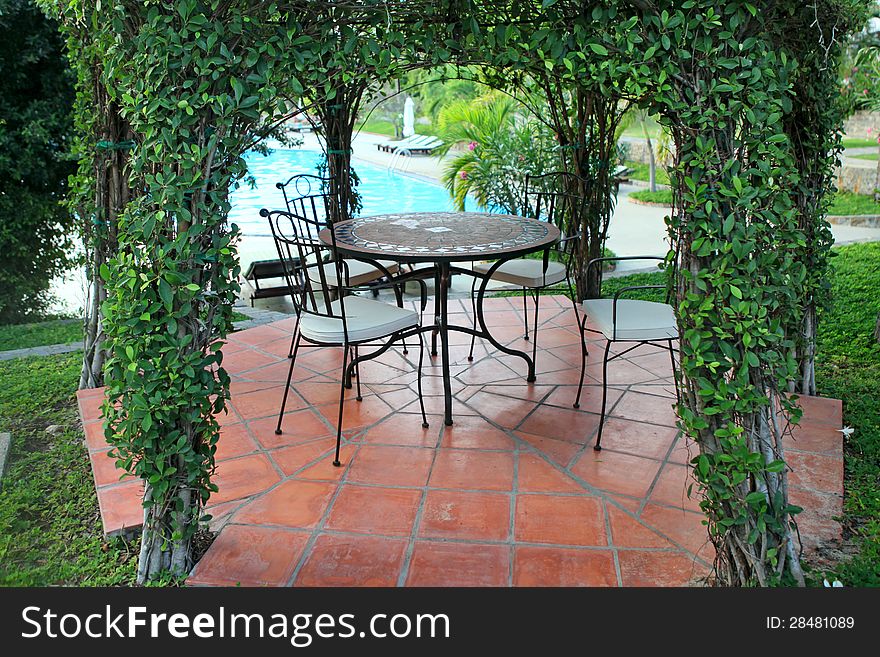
[858, 143]
[847, 203]
[848, 368]
[662, 196]
[56, 331]
[385, 127]
[865, 156]
[50, 528]
[641, 171]
[844, 203]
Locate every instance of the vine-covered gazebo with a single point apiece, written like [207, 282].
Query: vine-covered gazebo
[172, 94]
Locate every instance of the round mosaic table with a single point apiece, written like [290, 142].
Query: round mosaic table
[445, 238]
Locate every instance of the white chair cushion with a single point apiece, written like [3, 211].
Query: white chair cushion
[366, 320]
[525, 272]
[636, 320]
[359, 272]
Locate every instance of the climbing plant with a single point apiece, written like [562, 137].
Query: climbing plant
[199, 81]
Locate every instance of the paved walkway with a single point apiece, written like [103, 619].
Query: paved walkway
[511, 494]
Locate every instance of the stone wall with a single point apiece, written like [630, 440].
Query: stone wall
[857, 125]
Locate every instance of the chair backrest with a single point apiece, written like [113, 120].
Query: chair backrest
[307, 263]
[308, 196]
[560, 198]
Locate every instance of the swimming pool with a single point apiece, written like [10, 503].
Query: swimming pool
[382, 191]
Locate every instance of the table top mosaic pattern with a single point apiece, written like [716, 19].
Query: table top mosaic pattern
[443, 235]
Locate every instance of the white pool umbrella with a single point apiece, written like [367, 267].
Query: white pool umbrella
[409, 118]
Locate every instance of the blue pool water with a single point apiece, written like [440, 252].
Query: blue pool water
[382, 191]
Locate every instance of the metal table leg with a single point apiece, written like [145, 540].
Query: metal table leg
[443, 276]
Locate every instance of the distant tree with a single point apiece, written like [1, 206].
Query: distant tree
[36, 96]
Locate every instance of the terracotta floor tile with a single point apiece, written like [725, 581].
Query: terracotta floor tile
[471, 469]
[638, 568]
[373, 510]
[266, 403]
[458, 564]
[292, 503]
[295, 457]
[276, 372]
[474, 432]
[542, 566]
[394, 466]
[297, 427]
[502, 410]
[637, 406]
[319, 392]
[90, 406]
[104, 469]
[353, 561]
[816, 522]
[356, 414]
[259, 335]
[234, 441]
[95, 436]
[627, 531]
[460, 515]
[820, 411]
[246, 360]
[672, 488]
[121, 507]
[591, 397]
[617, 472]
[561, 424]
[243, 477]
[250, 556]
[324, 470]
[815, 471]
[620, 372]
[558, 451]
[537, 476]
[518, 390]
[815, 438]
[559, 520]
[638, 438]
[404, 429]
[684, 527]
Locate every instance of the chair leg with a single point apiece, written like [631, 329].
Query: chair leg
[357, 373]
[294, 349]
[535, 331]
[582, 326]
[336, 461]
[474, 309]
[525, 314]
[292, 339]
[419, 380]
[674, 373]
[598, 445]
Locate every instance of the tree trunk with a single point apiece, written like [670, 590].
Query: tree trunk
[112, 192]
[652, 168]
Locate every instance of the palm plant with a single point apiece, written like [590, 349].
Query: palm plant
[501, 147]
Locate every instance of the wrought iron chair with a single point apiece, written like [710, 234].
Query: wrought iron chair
[307, 195]
[626, 320]
[546, 198]
[327, 315]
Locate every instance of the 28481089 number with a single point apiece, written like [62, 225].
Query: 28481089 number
[811, 623]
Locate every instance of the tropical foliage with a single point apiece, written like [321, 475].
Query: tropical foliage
[36, 96]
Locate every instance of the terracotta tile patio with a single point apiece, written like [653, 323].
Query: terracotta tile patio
[511, 494]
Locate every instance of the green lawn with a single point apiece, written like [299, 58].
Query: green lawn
[663, 196]
[848, 368]
[865, 156]
[858, 143]
[50, 529]
[641, 171]
[844, 203]
[385, 127]
[56, 331]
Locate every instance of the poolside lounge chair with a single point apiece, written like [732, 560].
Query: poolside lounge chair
[420, 143]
